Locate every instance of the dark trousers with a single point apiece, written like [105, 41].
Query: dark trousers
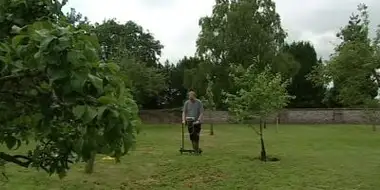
[194, 132]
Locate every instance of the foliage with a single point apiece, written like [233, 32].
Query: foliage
[54, 91]
[195, 77]
[208, 101]
[146, 82]
[307, 94]
[353, 67]
[253, 29]
[238, 32]
[137, 53]
[186, 74]
[21, 12]
[127, 40]
[261, 94]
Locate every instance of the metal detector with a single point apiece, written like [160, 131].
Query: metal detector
[189, 122]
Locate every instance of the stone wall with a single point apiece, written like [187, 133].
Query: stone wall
[291, 116]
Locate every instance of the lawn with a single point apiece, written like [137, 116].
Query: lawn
[312, 157]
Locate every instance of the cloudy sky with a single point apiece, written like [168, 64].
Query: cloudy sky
[175, 22]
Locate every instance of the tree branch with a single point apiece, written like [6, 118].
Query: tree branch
[10, 77]
[27, 73]
[16, 159]
[253, 127]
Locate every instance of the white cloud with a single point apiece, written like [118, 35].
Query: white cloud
[175, 22]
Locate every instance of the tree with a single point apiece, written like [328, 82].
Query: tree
[128, 40]
[137, 53]
[181, 77]
[75, 18]
[307, 94]
[20, 13]
[209, 103]
[260, 95]
[353, 67]
[146, 83]
[54, 90]
[238, 32]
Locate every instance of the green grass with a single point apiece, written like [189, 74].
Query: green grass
[312, 157]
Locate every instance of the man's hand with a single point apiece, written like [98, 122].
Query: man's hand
[183, 121]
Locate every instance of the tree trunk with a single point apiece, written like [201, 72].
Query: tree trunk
[263, 154]
[276, 124]
[211, 124]
[374, 122]
[89, 168]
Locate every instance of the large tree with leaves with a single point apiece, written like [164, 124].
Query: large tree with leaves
[182, 76]
[129, 40]
[260, 95]
[55, 91]
[146, 82]
[238, 32]
[137, 53]
[353, 68]
[307, 94]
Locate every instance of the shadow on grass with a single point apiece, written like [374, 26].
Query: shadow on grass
[268, 159]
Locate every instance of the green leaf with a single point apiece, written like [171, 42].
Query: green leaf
[37, 55]
[78, 111]
[76, 58]
[17, 39]
[113, 67]
[77, 82]
[97, 82]
[92, 40]
[106, 100]
[90, 114]
[46, 41]
[56, 74]
[10, 141]
[101, 110]
[4, 47]
[64, 42]
[115, 113]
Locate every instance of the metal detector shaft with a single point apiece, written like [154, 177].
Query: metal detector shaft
[183, 137]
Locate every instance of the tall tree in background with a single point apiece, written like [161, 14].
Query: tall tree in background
[181, 77]
[307, 94]
[145, 82]
[137, 53]
[239, 32]
[128, 39]
[354, 64]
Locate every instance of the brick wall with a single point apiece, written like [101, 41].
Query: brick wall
[311, 116]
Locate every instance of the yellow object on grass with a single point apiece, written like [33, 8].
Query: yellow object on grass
[108, 158]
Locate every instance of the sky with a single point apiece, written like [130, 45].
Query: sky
[175, 22]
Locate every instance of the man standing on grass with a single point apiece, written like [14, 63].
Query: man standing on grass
[192, 115]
